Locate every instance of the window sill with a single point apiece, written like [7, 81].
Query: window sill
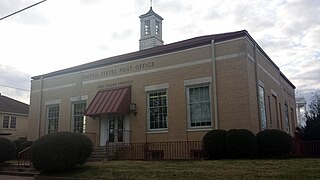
[9, 129]
[199, 129]
[157, 132]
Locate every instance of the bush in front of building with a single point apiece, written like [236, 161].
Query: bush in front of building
[214, 144]
[7, 149]
[274, 143]
[241, 143]
[60, 151]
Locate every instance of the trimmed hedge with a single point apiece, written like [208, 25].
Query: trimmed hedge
[214, 144]
[241, 143]
[274, 143]
[60, 151]
[8, 149]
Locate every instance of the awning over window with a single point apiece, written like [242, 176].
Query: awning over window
[116, 100]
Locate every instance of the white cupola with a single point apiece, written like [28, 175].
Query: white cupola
[150, 30]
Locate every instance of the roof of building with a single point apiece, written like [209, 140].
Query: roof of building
[9, 105]
[150, 13]
[158, 50]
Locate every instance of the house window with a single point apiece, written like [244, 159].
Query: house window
[13, 122]
[157, 110]
[52, 119]
[157, 28]
[286, 118]
[199, 110]
[147, 27]
[262, 106]
[5, 123]
[78, 117]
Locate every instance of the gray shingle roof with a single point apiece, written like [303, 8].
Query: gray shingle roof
[13, 106]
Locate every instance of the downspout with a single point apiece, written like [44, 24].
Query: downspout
[214, 84]
[40, 107]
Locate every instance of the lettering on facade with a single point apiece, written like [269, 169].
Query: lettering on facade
[117, 71]
[114, 84]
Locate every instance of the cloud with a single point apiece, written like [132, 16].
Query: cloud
[14, 83]
[172, 6]
[122, 35]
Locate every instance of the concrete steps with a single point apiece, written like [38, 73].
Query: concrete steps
[15, 170]
[98, 154]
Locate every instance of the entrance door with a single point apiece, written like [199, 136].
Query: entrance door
[116, 130]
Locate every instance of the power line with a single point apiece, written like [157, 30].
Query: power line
[22, 10]
[14, 88]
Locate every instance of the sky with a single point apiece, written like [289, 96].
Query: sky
[58, 34]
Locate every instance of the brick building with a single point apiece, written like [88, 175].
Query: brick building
[161, 93]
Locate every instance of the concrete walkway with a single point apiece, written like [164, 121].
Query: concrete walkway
[7, 177]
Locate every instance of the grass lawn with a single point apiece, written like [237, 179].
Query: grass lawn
[208, 169]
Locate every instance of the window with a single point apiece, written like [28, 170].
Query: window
[147, 27]
[286, 118]
[157, 110]
[262, 106]
[78, 117]
[52, 119]
[13, 122]
[5, 123]
[157, 28]
[199, 109]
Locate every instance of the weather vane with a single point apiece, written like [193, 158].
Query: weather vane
[150, 3]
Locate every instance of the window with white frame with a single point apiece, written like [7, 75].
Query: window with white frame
[52, 119]
[157, 110]
[78, 117]
[5, 122]
[199, 106]
[13, 122]
[9, 122]
[262, 106]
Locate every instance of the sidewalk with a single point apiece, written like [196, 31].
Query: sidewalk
[7, 177]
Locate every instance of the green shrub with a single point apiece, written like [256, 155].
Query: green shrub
[241, 143]
[60, 151]
[8, 149]
[274, 143]
[214, 144]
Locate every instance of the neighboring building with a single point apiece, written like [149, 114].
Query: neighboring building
[173, 92]
[301, 108]
[13, 118]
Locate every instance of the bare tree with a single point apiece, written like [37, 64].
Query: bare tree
[312, 128]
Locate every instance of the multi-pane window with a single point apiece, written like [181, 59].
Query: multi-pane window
[199, 106]
[52, 119]
[262, 106]
[13, 122]
[157, 110]
[147, 27]
[78, 116]
[157, 28]
[286, 116]
[5, 123]
[9, 123]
